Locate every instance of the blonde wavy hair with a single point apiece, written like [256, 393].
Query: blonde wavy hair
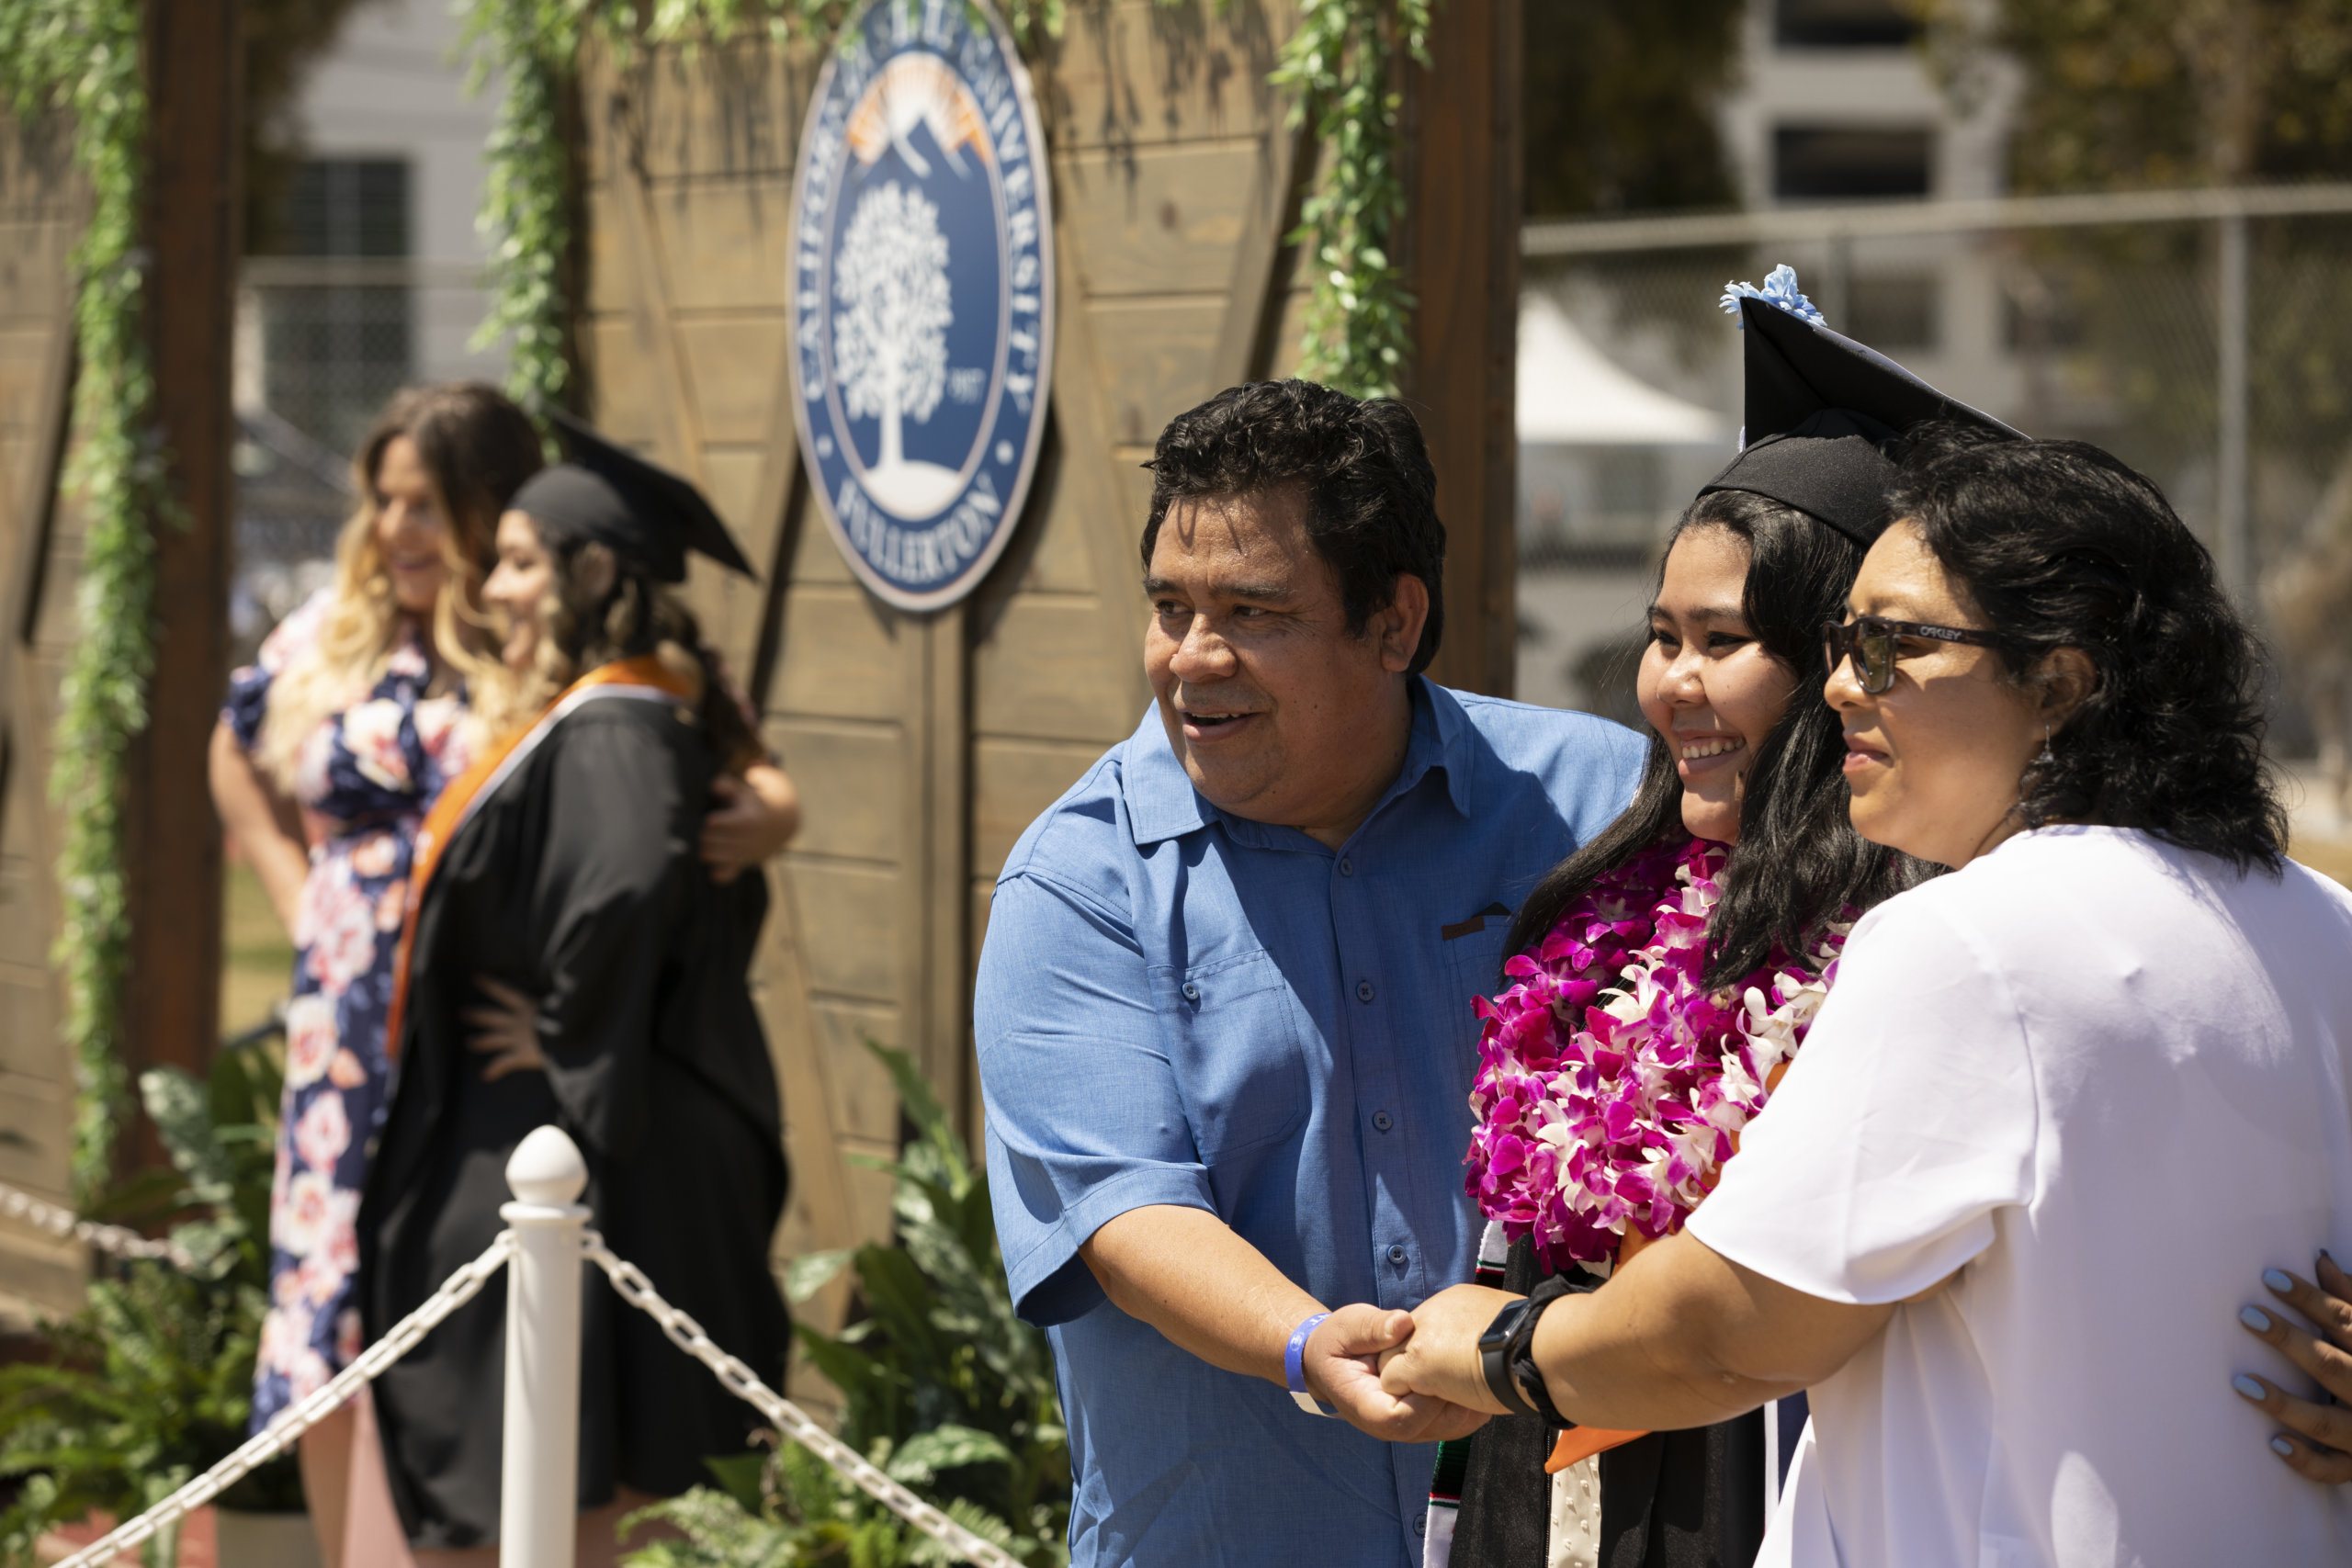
[477, 447]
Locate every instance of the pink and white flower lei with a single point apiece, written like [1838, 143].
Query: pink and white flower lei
[1611, 1082]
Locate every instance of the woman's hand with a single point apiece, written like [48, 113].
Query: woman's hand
[2318, 1441]
[1441, 1360]
[264, 823]
[506, 1029]
[755, 816]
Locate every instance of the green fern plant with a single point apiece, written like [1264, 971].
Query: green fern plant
[150, 1384]
[943, 1387]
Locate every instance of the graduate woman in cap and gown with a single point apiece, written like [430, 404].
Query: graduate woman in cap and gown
[563, 868]
[1667, 972]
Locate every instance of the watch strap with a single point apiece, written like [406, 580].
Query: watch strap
[1294, 1366]
[1525, 1377]
[1494, 1358]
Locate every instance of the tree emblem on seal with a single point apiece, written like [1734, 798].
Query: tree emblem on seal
[890, 334]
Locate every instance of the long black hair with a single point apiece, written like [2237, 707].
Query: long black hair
[2059, 545]
[1798, 860]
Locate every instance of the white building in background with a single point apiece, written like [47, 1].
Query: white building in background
[375, 284]
[1833, 103]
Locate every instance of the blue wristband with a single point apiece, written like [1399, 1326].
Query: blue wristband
[1295, 1370]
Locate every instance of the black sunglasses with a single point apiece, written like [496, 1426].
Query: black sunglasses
[1869, 641]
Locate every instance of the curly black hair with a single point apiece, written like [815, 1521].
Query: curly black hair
[1799, 862]
[1362, 465]
[2057, 544]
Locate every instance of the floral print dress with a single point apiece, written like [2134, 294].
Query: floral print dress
[365, 778]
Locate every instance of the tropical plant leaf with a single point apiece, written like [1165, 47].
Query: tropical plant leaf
[945, 1447]
[811, 1272]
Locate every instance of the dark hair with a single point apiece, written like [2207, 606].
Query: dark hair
[1370, 493]
[477, 445]
[1799, 861]
[2059, 545]
[636, 616]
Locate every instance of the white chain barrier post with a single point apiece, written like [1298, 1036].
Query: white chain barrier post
[538, 1500]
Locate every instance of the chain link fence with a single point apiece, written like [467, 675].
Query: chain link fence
[2205, 337]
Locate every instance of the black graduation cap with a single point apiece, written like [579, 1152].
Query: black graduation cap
[1820, 410]
[612, 496]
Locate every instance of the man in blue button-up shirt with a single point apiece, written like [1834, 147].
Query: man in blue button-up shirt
[1224, 1008]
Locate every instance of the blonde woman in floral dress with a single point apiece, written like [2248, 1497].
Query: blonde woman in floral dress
[331, 748]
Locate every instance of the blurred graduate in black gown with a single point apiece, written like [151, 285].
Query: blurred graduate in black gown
[564, 870]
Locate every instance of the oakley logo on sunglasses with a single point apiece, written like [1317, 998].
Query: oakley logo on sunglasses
[1870, 642]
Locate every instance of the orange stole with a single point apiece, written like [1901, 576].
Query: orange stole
[1578, 1443]
[457, 799]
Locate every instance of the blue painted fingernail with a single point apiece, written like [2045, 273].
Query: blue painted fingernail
[2247, 1386]
[2254, 1318]
[2282, 1448]
[2278, 1280]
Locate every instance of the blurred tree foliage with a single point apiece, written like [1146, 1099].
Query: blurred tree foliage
[2132, 94]
[1619, 105]
[2127, 94]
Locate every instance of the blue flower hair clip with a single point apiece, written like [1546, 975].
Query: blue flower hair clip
[1779, 292]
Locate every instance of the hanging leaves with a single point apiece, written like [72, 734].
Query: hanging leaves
[81, 58]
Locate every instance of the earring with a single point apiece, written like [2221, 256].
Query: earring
[2045, 759]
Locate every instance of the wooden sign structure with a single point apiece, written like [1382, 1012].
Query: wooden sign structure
[924, 744]
[172, 840]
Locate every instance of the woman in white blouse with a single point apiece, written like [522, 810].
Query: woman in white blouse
[2109, 1050]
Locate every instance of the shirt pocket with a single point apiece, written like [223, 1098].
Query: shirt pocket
[1476, 959]
[1233, 1028]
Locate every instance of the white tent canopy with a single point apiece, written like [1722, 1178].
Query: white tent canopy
[1571, 394]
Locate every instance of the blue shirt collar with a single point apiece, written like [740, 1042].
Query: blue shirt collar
[1162, 803]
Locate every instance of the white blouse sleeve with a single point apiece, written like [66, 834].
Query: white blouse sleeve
[1906, 1121]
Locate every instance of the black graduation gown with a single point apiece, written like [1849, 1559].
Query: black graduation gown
[578, 882]
[1687, 1499]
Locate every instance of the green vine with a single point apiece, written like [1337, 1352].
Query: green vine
[1340, 64]
[82, 57]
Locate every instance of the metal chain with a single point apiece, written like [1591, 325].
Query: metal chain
[300, 1417]
[738, 1379]
[16, 1203]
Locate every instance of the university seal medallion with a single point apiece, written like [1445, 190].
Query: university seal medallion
[922, 295]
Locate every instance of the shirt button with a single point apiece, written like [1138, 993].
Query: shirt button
[1397, 1255]
[1381, 1120]
[1192, 992]
[1363, 990]
[1347, 868]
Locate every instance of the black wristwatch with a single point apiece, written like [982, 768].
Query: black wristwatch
[1494, 1357]
[1506, 1354]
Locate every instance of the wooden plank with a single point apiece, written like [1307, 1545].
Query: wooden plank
[730, 111]
[1165, 349]
[172, 840]
[34, 266]
[1062, 669]
[738, 231]
[1263, 260]
[852, 945]
[853, 782]
[1460, 255]
[1132, 74]
[839, 657]
[1013, 780]
[1161, 220]
[730, 359]
[677, 422]
[820, 1193]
